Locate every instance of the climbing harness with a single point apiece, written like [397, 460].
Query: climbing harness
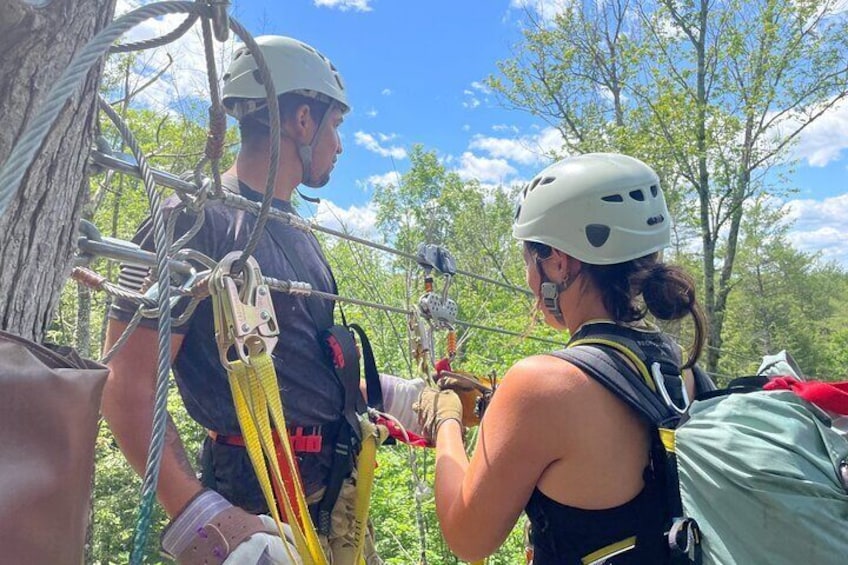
[176, 279]
[246, 332]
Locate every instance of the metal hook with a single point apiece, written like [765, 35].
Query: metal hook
[244, 317]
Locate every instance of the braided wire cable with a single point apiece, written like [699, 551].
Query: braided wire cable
[217, 116]
[125, 336]
[67, 85]
[163, 273]
[274, 151]
[293, 287]
[239, 202]
[155, 42]
[119, 292]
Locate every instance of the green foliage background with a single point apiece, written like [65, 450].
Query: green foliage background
[780, 298]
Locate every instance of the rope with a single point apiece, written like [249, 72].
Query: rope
[160, 405]
[170, 37]
[274, 151]
[217, 116]
[125, 336]
[22, 155]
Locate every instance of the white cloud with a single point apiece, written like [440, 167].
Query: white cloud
[186, 75]
[389, 178]
[477, 85]
[819, 225]
[546, 9]
[484, 169]
[471, 103]
[466, 127]
[345, 5]
[357, 220]
[824, 140]
[504, 127]
[525, 150]
[386, 92]
[471, 100]
[369, 142]
[372, 113]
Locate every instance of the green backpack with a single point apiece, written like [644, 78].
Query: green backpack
[751, 476]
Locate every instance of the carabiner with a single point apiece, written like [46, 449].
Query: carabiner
[244, 317]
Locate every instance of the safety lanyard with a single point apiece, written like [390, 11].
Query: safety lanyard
[246, 323]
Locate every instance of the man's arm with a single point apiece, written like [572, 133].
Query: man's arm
[128, 401]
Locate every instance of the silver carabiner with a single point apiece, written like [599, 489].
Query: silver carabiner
[659, 378]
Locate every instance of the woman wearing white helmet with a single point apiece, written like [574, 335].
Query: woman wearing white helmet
[555, 442]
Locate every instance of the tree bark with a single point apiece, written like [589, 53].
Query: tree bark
[38, 230]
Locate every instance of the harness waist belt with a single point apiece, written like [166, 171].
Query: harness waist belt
[310, 442]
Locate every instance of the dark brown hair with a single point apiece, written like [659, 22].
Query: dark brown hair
[634, 288]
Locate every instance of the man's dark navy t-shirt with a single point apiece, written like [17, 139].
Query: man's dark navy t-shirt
[311, 393]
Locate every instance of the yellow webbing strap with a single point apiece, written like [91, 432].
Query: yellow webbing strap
[640, 366]
[372, 436]
[668, 439]
[258, 404]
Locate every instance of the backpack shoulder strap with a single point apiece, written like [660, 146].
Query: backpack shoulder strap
[610, 370]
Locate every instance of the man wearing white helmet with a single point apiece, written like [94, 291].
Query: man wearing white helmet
[555, 442]
[220, 517]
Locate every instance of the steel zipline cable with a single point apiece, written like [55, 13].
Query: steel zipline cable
[160, 408]
[242, 203]
[22, 155]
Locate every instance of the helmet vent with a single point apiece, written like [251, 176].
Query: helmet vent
[654, 220]
[654, 190]
[533, 184]
[597, 234]
[637, 195]
[612, 198]
[546, 180]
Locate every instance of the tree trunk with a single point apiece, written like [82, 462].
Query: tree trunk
[38, 230]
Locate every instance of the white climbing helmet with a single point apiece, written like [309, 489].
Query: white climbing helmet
[295, 67]
[600, 208]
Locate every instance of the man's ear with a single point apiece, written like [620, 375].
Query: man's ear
[301, 124]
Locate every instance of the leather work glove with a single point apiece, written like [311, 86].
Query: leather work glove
[434, 407]
[210, 530]
[474, 393]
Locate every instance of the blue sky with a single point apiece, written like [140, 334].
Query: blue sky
[414, 72]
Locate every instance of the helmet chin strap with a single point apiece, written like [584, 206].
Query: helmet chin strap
[305, 152]
[550, 294]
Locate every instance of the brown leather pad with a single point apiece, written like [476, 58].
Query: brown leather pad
[214, 541]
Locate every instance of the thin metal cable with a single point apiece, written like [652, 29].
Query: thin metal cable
[163, 273]
[67, 85]
[239, 202]
[274, 151]
[217, 115]
[292, 287]
[125, 336]
[161, 41]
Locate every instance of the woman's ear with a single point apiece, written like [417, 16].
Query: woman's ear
[560, 266]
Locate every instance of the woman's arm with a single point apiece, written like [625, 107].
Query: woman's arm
[479, 502]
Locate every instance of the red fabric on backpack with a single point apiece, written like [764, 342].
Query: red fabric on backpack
[830, 396]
